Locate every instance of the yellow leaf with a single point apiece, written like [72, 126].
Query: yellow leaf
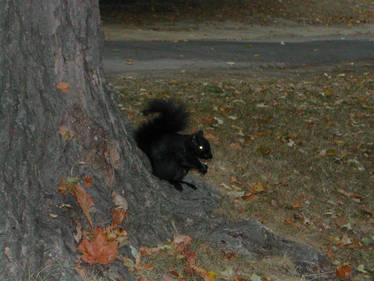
[211, 275]
[257, 187]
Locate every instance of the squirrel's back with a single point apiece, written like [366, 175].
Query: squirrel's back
[172, 118]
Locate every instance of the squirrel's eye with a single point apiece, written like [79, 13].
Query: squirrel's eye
[201, 147]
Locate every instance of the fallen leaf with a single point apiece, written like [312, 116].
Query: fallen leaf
[88, 181]
[255, 277]
[235, 146]
[330, 254]
[174, 273]
[356, 198]
[84, 201]
[78, 232]
[345, 240]
[361, 268]
[297, 204]
[128, 263]
[63, 87]
[219, 120]
[340, 220]
[118, 215]
[289, 221]
[114, 156]
[119, 201]
[207, 120]
[182, 242]
[66, 186]
[118, 235]
[256, 187]
[211, 275]
[144, 279]
[97, 250]
[138, 264]
[344, 272]
[345, 193]
[80, 270]
[166, 277]
[66, 133]
[249, 196]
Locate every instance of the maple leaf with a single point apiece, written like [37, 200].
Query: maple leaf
[97, 249]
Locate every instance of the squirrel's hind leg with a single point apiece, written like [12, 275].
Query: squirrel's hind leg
[177, 185]
[189, 184]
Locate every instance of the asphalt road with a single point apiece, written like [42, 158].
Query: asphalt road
[196, 55]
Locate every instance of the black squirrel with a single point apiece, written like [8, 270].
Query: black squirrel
[172, 155]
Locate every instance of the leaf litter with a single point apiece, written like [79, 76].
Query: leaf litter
[303, 155]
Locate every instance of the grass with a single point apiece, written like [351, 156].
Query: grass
[293, 150]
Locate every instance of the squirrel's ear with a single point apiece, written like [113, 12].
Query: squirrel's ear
[194, 138]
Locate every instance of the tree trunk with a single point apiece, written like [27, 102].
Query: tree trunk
[44, 43]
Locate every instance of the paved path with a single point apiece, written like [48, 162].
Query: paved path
[121, 56]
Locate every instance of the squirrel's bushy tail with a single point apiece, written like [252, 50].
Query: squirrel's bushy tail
[172, 118]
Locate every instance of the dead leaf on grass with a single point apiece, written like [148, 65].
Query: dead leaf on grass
[344, 272]
[289, 221]
[330, 254]
[297, 204]
[167, 277]
[257, 187]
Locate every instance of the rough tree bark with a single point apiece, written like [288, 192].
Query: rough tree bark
[43, 43]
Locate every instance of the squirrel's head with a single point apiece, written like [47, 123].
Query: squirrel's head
[201, 146]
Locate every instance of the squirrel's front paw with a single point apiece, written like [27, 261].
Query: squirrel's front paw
[203, 169]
